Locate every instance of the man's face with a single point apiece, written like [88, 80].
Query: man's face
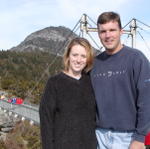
[110, 34]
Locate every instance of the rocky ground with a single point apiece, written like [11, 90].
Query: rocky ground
[7, 122]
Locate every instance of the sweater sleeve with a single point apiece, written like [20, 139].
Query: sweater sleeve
[47, 113]
[141, 69]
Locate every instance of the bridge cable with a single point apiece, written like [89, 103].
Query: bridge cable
[100, 48]
[144, 41]
[143, 23]
[125, 40]
[127, 24]
[91, 20]
[143, 30]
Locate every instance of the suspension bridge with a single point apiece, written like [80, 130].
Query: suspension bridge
[82, 28]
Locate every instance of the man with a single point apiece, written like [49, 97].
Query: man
[121, 82]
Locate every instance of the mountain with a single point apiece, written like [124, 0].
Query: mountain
[50, 39]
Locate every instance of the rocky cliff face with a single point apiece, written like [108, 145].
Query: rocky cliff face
[50, 39]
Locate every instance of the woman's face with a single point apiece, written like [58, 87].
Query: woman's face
[77, 59]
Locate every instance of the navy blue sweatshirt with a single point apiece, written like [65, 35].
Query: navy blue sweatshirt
[122, 88]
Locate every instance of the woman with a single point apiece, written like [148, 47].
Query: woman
[67, 108]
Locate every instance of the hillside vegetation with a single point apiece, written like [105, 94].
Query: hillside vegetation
[24, 74]
[23, 136]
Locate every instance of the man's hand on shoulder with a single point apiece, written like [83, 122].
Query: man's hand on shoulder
[137, 145]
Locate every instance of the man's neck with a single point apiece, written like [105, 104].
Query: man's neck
[114, 51]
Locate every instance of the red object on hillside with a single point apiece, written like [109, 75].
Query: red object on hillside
[19, 101]
[147, 139]
[15, 100]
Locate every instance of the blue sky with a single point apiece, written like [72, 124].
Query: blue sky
[19, 18]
